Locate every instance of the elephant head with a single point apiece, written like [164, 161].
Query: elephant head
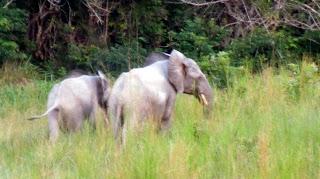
[186, 77]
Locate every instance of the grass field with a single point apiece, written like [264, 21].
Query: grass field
[264, 126]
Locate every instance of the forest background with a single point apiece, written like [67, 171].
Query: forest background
[223, 36]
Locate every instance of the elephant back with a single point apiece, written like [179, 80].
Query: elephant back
[155, 57]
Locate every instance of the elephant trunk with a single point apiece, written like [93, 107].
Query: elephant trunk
[208, 108]
[205, 96]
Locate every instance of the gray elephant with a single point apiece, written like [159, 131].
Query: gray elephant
[150, 92]
[75, 99]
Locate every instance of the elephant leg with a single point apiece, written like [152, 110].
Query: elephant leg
[119, 123]
[78, 120]
[73, 121]
[106, 119]
[166, 118]
[92, 119]
[53, 125]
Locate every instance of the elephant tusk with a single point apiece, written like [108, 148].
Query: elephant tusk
[204, 100]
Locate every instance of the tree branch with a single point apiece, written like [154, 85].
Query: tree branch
[8, 3]
[195, 3]
[93, 11]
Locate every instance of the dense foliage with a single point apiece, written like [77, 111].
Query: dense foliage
[60, 35]
[12, 34]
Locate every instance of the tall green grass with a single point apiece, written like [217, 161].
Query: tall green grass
[263, 126]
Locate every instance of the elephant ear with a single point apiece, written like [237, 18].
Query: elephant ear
[104, 81]
[176, 70]
[101, 75]
[102, 88]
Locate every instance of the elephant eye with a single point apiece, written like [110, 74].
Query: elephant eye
[198, 78]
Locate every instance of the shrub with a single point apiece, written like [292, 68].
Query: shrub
[219, 70]
[113, 60]
[120, 58]
[309, 44]
[70, 56]
[303, 78]
[198, 37]
[18, 73]
[12, 34]
[261, 48]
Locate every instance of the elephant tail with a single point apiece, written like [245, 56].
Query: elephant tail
[53, 107]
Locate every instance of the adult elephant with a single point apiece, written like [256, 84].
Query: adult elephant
[150, 92]
[73, 100]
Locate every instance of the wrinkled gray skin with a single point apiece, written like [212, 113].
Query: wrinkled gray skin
[150, 92]
[73, 100]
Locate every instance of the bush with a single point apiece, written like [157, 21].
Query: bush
[12, 34]
[198, 37]
[219, 70]
[304, 77]
[119, 58]
[262, 48]
[69, 57]
[18, 73]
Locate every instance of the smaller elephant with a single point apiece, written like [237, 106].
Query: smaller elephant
[75, 99]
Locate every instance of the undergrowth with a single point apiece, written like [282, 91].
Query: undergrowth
[263, 126]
